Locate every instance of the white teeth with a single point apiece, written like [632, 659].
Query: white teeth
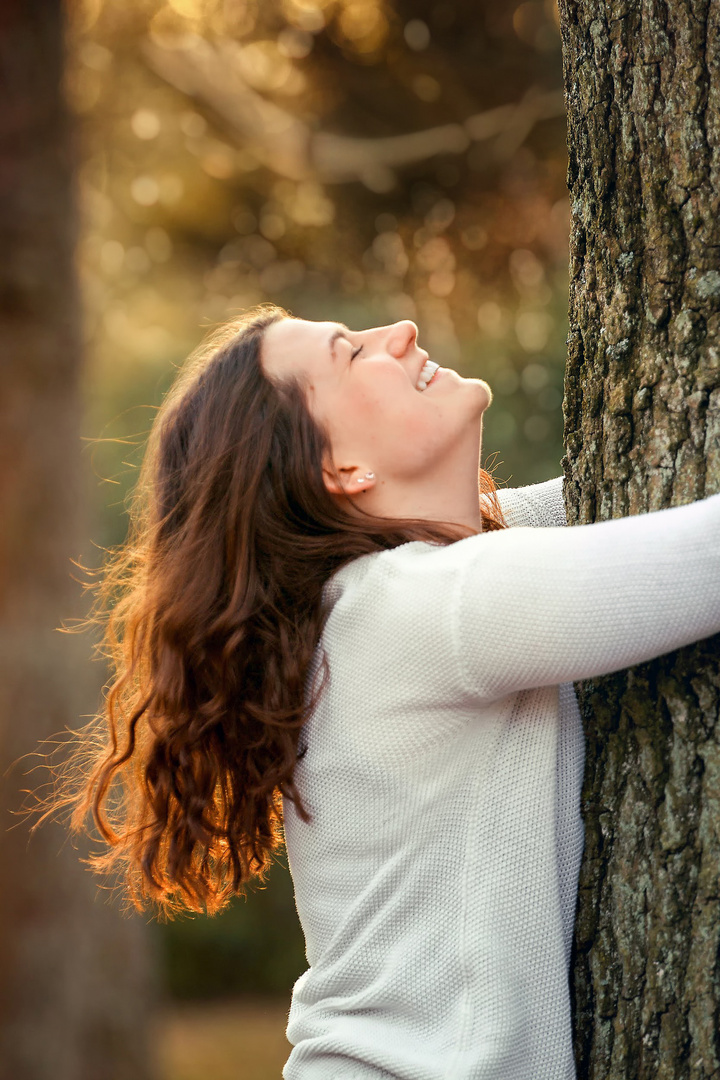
[428, 370]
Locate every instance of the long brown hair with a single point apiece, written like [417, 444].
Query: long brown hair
[211, 613]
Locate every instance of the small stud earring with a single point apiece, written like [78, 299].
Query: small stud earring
[369, 475]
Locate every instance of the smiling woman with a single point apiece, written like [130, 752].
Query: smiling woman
[365, 389]
[211, 668]
[327, 619]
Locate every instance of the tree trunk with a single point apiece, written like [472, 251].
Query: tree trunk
[642, 429]
[73, 973]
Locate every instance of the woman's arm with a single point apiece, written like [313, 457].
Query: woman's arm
[537, 607]
[536, 505]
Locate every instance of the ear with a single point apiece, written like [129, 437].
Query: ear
[331, 482]
[347, 480]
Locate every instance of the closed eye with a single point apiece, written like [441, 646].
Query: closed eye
[356, 352]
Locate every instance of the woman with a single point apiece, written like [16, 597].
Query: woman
[321, 602]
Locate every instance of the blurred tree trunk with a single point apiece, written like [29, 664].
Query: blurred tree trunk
[73, 974]
[642, 428]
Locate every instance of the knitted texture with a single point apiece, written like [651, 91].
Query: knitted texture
[436, 883]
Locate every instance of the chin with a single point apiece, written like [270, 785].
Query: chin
[484, 393]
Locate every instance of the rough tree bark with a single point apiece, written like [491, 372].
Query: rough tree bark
[642, 429]
[73, 973]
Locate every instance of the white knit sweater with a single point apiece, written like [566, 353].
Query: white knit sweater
[436, 884]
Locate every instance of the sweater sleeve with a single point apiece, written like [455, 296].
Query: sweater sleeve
[542, 606]
[535, 505]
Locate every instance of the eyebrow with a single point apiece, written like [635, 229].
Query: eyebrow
[341, 331]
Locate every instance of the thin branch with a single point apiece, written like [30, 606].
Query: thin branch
[210, 74]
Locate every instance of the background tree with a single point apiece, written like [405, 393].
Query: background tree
[73, 977]
[642, 430]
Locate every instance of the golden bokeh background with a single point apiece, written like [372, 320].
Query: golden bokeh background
[338, 157]
[358, 160]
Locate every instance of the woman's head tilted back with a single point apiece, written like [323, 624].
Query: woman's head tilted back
[365, 389]
[253, 492]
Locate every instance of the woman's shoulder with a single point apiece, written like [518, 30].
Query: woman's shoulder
[411, 577]
[419, 572]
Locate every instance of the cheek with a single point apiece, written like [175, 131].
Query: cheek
[353, 423]
[381, 418]
[418, 434]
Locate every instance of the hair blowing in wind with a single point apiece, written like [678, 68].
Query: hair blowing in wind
[211, 613]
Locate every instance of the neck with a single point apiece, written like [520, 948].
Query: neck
[452, 495]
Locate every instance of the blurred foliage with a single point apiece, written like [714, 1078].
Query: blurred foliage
[255, 945]
[360, 160]
[233, 1040]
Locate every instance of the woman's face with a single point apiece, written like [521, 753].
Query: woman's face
[362, 388]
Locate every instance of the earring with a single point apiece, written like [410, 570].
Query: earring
[369, 475]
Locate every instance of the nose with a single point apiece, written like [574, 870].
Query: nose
[401, 336]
